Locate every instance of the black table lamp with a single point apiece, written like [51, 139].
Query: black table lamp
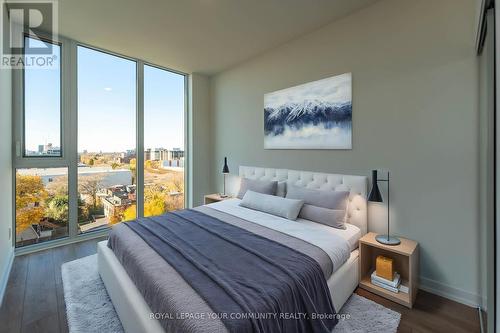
[376, 196]
[225, 171]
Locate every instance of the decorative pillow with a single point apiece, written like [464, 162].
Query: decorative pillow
[331, 217]
[321, 198]
[287, 208]
[325, 207]
[261, 186]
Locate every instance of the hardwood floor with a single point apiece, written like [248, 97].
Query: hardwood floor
[34, 300]
[431, 313]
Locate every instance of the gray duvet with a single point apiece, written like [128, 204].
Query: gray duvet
[182, 303]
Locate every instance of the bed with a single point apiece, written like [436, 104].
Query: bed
[130, 303]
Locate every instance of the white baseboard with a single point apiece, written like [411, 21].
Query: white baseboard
[455, 294]
[5, 276]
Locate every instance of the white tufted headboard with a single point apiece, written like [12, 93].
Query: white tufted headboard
[357, 212]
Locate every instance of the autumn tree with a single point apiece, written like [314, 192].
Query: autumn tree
[154, 204]
[58, 185]
[154, 201]
[176, 183]
[175, 192]
[90, 186]
[130, 213]
[174, 202]
[133, 167]
[117, 216]
[30, 198]
[149, 164]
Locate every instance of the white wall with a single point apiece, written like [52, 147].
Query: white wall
[6, 250]
[415, 112]
[200, 138]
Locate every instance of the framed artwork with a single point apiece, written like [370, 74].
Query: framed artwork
[314, 115]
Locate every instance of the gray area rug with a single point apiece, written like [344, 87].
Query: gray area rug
[89, 308]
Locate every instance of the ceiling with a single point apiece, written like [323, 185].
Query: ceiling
[204, 36]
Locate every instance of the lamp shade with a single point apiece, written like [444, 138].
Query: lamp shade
[375, 195]
[225, 169]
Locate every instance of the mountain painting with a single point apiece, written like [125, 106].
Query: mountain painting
[315, 115]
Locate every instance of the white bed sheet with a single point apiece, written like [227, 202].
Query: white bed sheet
[337, 243]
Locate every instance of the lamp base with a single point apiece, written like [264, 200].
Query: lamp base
[388, 240]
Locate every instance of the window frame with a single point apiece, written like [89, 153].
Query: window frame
[61, 117]
[139, 189]
[69, 137]
[187, 170]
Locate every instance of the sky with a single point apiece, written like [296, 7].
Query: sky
[106, 105]
[42, 105]
[336, 89]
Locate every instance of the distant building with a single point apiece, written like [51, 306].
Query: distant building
[147, 154]
[162, 154]
[125, 157]
[117, 197]
[55, 151]
[39, 232]
[49, 149]
[176, 154]
[172, 164]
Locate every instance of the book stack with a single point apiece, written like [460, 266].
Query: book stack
[393, 285]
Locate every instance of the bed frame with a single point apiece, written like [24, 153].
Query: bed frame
[133, 310]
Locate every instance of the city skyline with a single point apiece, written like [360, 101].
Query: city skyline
[85, 151]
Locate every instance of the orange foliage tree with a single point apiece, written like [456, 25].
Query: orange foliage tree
[130, 213]
[117, 216]
[154, 201]
[160, 199]
[30, 199]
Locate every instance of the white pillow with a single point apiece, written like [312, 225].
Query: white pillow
[287, 208]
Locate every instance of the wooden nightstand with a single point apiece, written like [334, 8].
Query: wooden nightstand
[215, 197]
[405, 256]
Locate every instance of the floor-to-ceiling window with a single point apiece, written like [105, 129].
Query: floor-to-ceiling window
[41, 193]
[100, 139]
[106, 138]
[163, 141]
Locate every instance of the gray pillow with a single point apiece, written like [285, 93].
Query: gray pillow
[287, 208]
[321, 198]
[325, 207]
[261, 186]
[331, 217]
[281, 189]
